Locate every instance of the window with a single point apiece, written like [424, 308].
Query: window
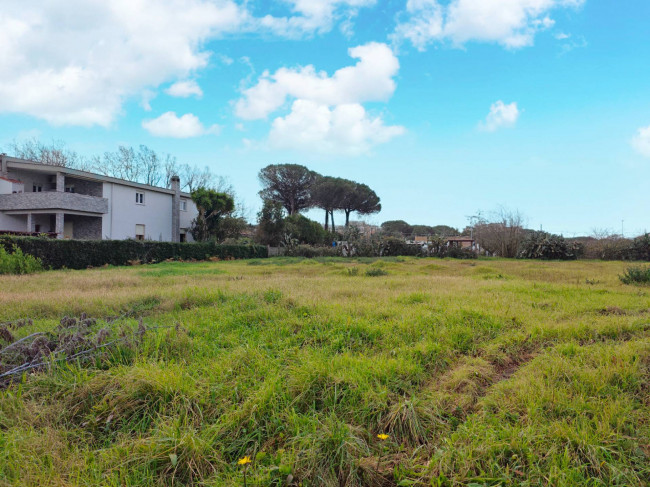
[139, 198]
[183, 205]
[183, 237]
[37, 188]
[139, 232]
[69, 189]
[37, 228]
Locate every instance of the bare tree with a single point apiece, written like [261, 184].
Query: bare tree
[500, 233]
[55, 154]
[141, 165]
[193, 177]
[149, 163]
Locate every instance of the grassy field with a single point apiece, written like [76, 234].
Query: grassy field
[482, 373]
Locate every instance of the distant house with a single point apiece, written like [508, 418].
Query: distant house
[67, 203]
[364, 228]
[461, 242]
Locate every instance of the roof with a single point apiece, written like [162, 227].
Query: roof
[12, 162]
[15, 181]
[460, 239]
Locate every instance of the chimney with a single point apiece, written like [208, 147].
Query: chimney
[175, 183]
[4, 171]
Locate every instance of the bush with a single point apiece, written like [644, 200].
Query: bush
[640, 248]
[617, 248]
[454, 252]
[543, 245]
[310, 251]
[636, 275]
[375, 272]
[392, 247]
[80, 254]
[304, 230]
[17, 262]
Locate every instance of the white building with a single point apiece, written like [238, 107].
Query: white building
[39, 198]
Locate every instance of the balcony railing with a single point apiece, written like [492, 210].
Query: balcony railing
[53, 200]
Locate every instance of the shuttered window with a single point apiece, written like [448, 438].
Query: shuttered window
[139, 232]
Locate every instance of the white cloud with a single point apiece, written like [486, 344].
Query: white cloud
[501, 115]
[511, 23]
[75, 62]
[185, 89]
[371, 79]
[312, 16]
[147, 97]
[170, 125]
[346, 129]
[641, 141]
[326, 112]
[425, 23]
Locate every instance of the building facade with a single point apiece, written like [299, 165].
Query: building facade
[39, 198]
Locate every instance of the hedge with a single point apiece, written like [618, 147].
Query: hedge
[81, 254]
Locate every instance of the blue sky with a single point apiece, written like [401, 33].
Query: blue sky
[444, 108]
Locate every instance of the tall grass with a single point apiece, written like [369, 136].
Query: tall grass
[537, 378]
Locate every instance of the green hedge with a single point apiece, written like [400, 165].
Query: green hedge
[80, 254]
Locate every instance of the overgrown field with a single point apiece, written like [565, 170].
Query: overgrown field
[482, 373]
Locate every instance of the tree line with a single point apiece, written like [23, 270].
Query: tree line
[296, 188]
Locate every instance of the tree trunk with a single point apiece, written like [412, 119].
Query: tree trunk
[332, 215]
[347, 218]
[327, 220]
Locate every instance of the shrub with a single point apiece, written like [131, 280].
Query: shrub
[304, 230]
[392, 247]
[80, 254]
[312, 251]
[636, 275]
[543, 245]
[375, 272]
[640, 248]
[17, 262]
[454, 253]
[617, 248]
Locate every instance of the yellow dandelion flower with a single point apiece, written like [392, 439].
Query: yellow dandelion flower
[382, 436]
[244, 461]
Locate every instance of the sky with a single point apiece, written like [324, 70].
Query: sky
[446, 108]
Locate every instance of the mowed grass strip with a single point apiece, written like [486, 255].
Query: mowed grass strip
[491, 372]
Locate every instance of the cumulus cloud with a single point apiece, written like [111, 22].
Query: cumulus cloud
[345, 128]
[511, 23]
[371, 79]
[184, 127]
[501, 115]
[75, 62]
[185, 89]
[313, 16]
[326, 111]
[641, 141]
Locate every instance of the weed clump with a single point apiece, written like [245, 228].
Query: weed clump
[376, 272]
[636, 275]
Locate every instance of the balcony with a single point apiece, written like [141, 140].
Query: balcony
[52, 201]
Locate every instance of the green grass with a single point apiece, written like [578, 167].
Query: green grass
[484, 373]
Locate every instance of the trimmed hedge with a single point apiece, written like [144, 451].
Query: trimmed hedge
[80, 254]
